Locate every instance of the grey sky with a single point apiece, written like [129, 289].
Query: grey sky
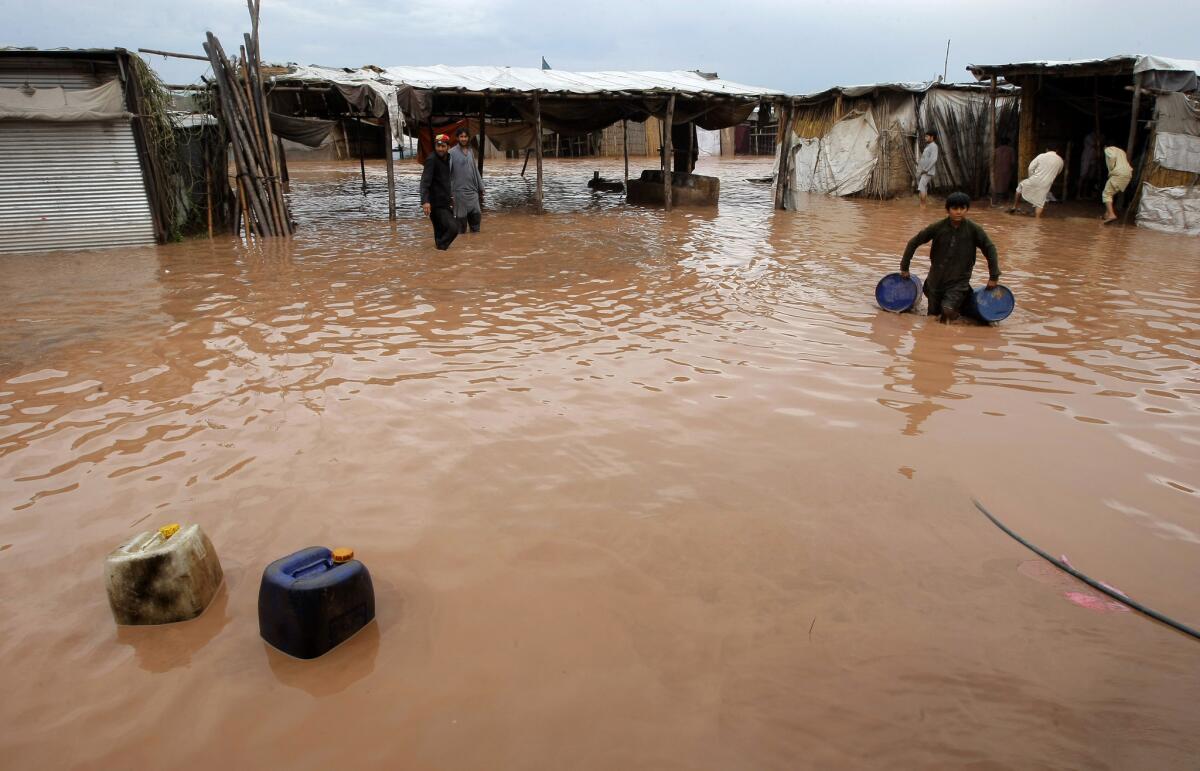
[794, 46]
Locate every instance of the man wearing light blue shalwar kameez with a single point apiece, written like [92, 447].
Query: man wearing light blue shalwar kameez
[466, 185]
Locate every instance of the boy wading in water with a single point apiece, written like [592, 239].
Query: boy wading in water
[952, 258]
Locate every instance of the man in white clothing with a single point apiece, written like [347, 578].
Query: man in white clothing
[925, 166]
[1036, 187]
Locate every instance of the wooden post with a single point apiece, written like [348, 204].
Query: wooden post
[362, 164]
[992, 148]
[1027, 140]
[691, 163]
[482, 133]
[391, 169]
[537, 140]
[1066, 171]
[625, 145]
[783, 144]
[1137, 101]
[668, 151]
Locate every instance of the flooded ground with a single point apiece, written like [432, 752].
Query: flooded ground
[637, 490]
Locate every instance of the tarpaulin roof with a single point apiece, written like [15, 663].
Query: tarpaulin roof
[1122, 62]
[864, 90]
[527, 80]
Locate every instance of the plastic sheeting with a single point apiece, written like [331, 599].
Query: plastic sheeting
[1170, 209]
[1177, 151]
[841, 162]
[106, 102]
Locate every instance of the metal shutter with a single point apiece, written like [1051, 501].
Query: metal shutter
[71, 186]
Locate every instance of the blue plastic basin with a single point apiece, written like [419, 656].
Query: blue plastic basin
[308, 605]
[991, 305]
[897, 294]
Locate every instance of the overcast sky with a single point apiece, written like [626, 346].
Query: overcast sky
[798, 46]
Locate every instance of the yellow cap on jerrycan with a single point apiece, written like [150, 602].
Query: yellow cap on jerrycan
[166, 531]
[342, 555]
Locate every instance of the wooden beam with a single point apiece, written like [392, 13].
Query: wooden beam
[992, 146]
[537, 143]
[1133, 117]
[172, 54]
[668, 152]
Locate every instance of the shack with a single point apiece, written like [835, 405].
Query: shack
[86, 151]
[865, 140]
[515, 107]
[1122, 100]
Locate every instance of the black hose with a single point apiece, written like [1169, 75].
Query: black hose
[1089, 581]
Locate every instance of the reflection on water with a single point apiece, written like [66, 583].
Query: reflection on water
[630, 479]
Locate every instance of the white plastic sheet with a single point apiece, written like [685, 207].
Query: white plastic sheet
[841, 162]
[1177, 151]
[106, 102]
[1170, 209]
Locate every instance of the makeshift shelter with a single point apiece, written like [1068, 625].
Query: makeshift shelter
[865, 140]
[515, 106]
[87, 153]
[1118, 98]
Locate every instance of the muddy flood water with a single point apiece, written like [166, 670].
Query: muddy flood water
[637, 490]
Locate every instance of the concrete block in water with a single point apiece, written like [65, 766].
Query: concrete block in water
[162, 576]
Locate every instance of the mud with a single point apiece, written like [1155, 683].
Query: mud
[636, 490]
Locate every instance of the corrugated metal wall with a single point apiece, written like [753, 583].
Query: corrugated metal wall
[71, 186]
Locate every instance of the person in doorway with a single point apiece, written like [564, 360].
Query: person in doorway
[1035, 188]
[436, 198]
[1089, 163]
[1006, 161]
[1119, 175]
[925, 166]
[952, 258]
[466, 184]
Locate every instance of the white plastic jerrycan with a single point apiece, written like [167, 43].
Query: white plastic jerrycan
[162, 576]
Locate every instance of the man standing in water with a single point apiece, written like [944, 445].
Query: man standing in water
[952, 258]
[436, 199]
[929, 158]
[466, 184]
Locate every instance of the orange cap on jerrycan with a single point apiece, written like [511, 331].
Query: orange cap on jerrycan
[342, 555]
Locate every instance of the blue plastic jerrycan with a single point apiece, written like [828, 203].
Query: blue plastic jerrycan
[990, 305]
[312, 601]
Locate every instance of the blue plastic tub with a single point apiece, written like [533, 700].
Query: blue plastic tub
[897, 294]
[308, 603]
[990, 305]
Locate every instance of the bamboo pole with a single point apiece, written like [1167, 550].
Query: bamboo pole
[274, 152]
[389, 163]
[225, 95]
[668, 151]
[255, 130]
[537, 132]
[625, 147]
[243, 129]
[992, 146]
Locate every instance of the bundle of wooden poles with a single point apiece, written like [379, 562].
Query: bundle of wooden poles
[243, 108]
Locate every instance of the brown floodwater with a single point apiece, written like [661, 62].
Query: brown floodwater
[637, 490]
